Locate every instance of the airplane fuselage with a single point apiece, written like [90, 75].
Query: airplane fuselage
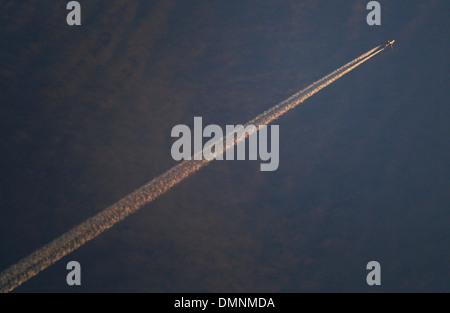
[389, 43]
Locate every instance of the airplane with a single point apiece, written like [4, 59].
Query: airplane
[389, 43]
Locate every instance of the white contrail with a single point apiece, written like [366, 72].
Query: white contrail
[281, 108]
[276, 111]
[318, 82]
[42, 258]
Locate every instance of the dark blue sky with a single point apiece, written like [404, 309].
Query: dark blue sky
[364, 165]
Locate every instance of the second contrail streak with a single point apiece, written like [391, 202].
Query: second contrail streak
[42, 258]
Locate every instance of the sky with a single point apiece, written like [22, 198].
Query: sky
[364, 171]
